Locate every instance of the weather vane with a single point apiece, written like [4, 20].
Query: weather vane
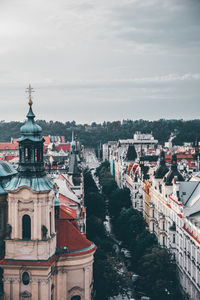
[30, 90]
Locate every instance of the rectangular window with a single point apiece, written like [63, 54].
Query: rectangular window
[163, 241]
[26, 154]
[174, 238]
[50, 222]
[163, 225]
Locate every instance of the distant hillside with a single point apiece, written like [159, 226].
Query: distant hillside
[94, 134]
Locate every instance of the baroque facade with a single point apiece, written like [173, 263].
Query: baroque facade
[46, 256]
[172, 209]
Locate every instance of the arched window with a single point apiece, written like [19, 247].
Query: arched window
[26, 154]
[76, 298]
[26, 227]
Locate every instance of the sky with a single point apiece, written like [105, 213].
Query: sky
[96, 60]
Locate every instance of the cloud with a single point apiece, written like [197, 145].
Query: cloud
[104, 54]
[168, 23]
[49, 83]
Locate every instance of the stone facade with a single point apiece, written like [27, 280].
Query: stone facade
[61, 280]
[39, 206]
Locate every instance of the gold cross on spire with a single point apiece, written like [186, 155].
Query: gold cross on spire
[30, 90]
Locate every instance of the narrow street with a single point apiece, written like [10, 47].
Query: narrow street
[123, 254]
[90, 159]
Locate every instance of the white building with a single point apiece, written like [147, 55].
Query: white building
[174, 216]
[135, 184]
[106, 147]
[141, 141]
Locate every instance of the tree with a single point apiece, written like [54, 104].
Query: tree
[89, 184]
[109, 187]
[129, 224]
[119, 198]
[95, 204]
[158, 276]
[95, 228]
[109, 281]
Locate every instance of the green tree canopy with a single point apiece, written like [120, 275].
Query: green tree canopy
[158, 276]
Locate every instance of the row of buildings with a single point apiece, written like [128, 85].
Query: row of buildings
[44, 251]
[56, 151]
[165, 187]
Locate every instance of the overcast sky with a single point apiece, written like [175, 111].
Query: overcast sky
[96, 60]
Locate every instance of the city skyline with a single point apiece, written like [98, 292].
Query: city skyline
[97, 60]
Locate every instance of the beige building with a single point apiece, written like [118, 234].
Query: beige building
[46, 257]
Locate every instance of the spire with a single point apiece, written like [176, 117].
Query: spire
[30, 128]
[131, 154]
[30, 90]
[162, 169]
[173, 172]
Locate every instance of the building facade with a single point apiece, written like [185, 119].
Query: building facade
[172, 209]
[46, 255]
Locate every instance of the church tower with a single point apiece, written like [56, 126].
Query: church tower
[42, 262]
[31, 236]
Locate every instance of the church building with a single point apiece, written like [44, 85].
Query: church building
[45, 257]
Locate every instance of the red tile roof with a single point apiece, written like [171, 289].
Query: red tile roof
[47, 140]
[8, 158]
[179, 156]
[66, 200]
[67, 212]
[69, 236]
[9, 146]
[64, 147]
[28, 262]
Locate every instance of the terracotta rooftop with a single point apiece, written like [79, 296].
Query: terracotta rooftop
[64, 147]
[67, 212]
[9, 146]
[70, 237]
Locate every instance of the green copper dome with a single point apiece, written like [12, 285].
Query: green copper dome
[31, 169]
[30, 128]
[6, 169]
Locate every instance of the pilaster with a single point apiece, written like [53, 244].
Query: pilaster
[15, 288]
[87, 282]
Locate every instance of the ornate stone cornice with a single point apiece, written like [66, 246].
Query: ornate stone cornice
[26, 294]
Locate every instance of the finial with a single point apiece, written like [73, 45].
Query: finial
[30, 90]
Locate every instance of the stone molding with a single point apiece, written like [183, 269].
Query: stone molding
[13, 279]
[26, 294]
[76, 290]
